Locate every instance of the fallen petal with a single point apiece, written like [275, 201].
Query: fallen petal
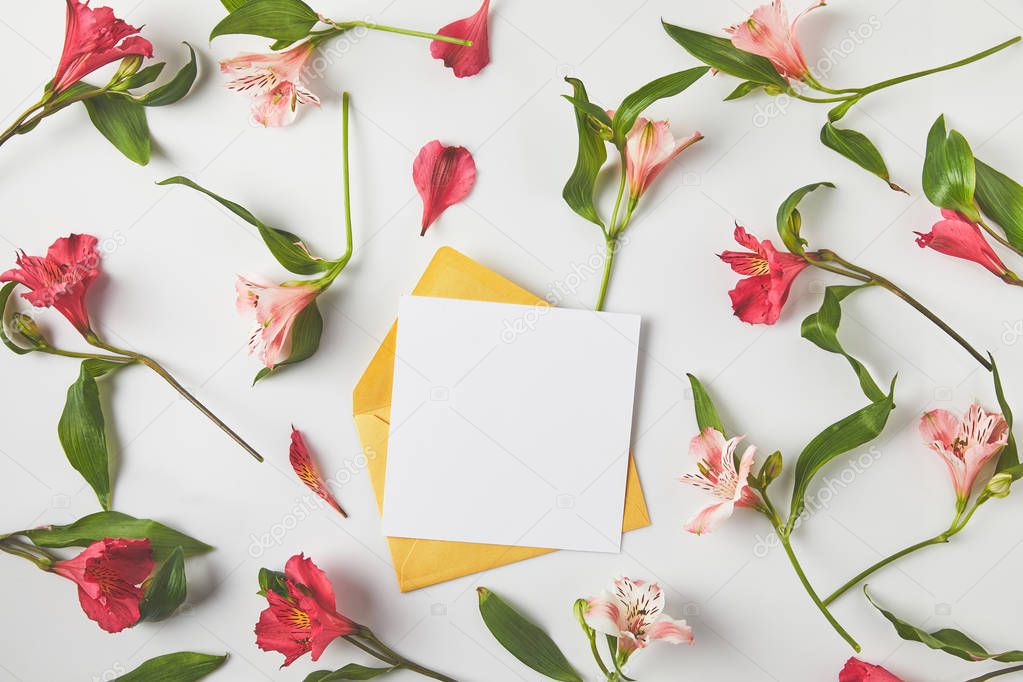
[302, 463]
[465, 60]
[443, 176]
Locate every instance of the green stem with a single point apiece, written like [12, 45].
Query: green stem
[372, 652]
[84, 356]
[401, 661]
[13, 547]
[810, 591]
[610, 246]
[922, 309]
[999, 238]
[862, 575]
[345, 25]
[812, 81]
[927, 72]
[823, 100]
[169, 378]
[592, 636]
[996, 673]
[12, 130]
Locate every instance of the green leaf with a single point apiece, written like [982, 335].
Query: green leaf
[174, 89]
[352, 671]
[305, 340]
[112, 524]
[1009, 459]
[857, 429]
[948, 640]
[578, 192]
[272, 581]
[286, 247]
[789, 220]
[821, 328]
[1000, 197]
[232, 5]
[122, 121]
[523, 639]
[166, 589]
[5, 294]
[858, 148]
[706, 414]
[744, 88]
[143, 77]
[76, 90]
[719, 53]
[949, 175]
[590, 109]
[277, 19]
[184, 666]
[637, 102]
[82, 429]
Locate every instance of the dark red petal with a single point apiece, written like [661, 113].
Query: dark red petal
[302, 463]
[462, 59]
[443, 176]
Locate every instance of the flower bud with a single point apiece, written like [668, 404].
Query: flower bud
[771, 469]
[128, 67]
[580, 607]
[999, 485]
[27, 327]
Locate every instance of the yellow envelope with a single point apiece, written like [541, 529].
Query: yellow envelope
[420, 563]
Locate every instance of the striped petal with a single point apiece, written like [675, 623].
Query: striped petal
[305, 468]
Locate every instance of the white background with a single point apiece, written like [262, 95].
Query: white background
[169, 292]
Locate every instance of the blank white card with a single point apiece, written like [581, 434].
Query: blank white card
[510, 424]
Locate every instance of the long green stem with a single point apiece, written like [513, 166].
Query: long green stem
[927, 72]
[369, 650]
[610, 246]
[810, 591]
[996, 673]
[873, 277]
[345, 176]
[12, 130]
[863, 575]
[169, 378]
[345, 25]
[401, 661]
[40, 558]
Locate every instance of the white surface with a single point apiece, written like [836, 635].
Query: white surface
[173, 255]
[497, 409]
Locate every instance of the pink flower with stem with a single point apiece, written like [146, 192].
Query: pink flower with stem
[719, 476]
[965, 445]
[109, 574]
[61, 278]
[768, 33]
[632, 612]
[759, 298]
[274, 81]
[959, 237]
[649, 148]
[275, 307]
[94, 38]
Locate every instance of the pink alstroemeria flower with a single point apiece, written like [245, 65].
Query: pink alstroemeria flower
[274, 81]
[465, 60]
[108, 574]
[443, 176]
[759, 298]
[856, 670]
[61, 278]
[649, 147]
[715, 459]
[958, 237]
[275, 307]
[306, 620]
[966, 445]
[305, 468]
[633, 612]
[767, 33]
[94, 38]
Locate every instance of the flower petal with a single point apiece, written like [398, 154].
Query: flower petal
[443, 176]
[465, 60]
[603, 615]
[305, 468]
[856, 670]
[710, 517]
[671, 631]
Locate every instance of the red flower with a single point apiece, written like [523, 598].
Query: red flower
[443, 176]
[94, 38]
[302, 463]
[856, 670]
[759, 298]
[306, 620]
[108, 574]
[465, 60]
[956, 236]
[61, 278]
